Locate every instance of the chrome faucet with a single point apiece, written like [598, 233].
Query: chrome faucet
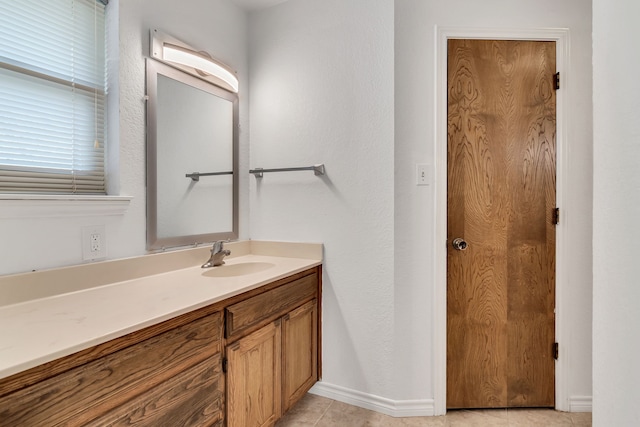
[217, 255]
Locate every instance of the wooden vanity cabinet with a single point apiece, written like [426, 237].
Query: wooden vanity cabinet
[167, 374]
[171, 374]
[272, 351]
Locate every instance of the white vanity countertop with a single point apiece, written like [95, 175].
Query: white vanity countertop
[36, 331]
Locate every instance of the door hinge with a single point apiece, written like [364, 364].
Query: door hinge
[556, 216]
[556, 81]
[224, 364]
[555, 350]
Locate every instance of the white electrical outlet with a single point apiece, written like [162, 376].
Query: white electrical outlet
[96, 242]
[93, 243]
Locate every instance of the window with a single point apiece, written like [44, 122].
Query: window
[52, 96]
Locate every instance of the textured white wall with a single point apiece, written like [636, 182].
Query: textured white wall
[322, 92]
[616, 210]
[217, 26]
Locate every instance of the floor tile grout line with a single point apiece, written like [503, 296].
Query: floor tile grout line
[323, 414]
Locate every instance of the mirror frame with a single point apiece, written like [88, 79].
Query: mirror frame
[154, 243]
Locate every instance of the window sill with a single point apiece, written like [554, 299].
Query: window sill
[48, 206]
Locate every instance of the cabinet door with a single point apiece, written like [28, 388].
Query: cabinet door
[254, 384]
[299, 352]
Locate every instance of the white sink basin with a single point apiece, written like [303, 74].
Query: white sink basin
[241, 269]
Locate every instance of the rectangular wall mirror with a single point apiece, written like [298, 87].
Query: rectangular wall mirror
[192, 159]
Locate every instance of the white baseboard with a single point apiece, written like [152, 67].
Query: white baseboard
[407, 408]
[580, 404]
[394, 408]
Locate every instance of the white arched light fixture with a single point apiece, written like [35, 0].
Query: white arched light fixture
[180, 55]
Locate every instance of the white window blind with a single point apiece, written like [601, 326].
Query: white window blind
[52, 96]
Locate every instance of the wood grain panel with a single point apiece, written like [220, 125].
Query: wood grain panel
[501, 194]
[192, 398]
[299, 353]
[83, 393]
[254, 378]
[256, 311]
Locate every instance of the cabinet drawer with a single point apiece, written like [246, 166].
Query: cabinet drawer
[88, 391]
[192, 398]
[259, 309]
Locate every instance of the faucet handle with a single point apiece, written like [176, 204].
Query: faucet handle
[218, 245]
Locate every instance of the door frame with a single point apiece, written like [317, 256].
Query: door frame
[442, 35]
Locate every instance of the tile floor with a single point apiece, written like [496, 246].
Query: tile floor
[319, 411]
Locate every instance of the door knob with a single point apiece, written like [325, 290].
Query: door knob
[459, 244]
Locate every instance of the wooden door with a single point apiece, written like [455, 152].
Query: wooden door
[254, 375]
[299, 352]
[501, 201]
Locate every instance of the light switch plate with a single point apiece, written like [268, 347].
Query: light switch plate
[423, 174]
